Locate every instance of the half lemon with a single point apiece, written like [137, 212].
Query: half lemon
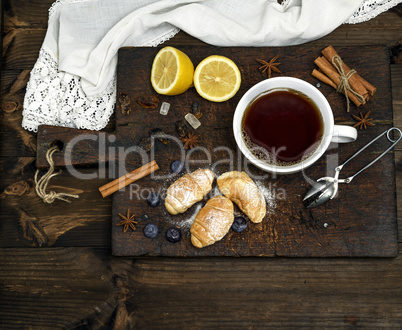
[172, 72]
[217, 78]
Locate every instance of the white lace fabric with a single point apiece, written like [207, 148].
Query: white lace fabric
[84, 98]
[56, 98]
[370, 9]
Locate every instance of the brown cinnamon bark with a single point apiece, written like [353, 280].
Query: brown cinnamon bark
[131, 177]
[334, 76]
[358, 84]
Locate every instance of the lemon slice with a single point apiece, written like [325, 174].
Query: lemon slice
[172, 72]
[217, 78]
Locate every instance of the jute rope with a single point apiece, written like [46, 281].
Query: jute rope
[42, 183]
[344, 86]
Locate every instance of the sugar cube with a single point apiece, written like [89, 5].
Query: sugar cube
[164, 108]
[192, 120]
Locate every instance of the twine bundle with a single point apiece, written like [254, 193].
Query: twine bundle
[41, 184]
[344, 85]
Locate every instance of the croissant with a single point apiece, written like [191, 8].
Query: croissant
[213, 222]
[241, 189]
[188, 190]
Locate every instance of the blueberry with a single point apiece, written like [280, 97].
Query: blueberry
[151, 230]
[173, 235]
[154, 199]
[239, 224]
[177, 166]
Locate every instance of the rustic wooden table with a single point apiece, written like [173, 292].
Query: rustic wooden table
[57, 270]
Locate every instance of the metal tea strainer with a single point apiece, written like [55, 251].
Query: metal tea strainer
[326, 188]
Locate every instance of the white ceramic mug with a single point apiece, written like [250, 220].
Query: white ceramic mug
[332, 133]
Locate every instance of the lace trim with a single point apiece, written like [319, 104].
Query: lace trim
[56, 98]
[58, 3]
[370, 9]
[367, 10]
[160, 40]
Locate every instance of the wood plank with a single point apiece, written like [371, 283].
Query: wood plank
[396, 78]
[23, 50]
[27, 221]
[26, 14]
[54, 288]
[14, 140]
[340, 116]
[288, 229]
[277, 293]
[83, 287]
[398, 180]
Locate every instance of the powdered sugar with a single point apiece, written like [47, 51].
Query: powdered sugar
[184, 224]
[269, 195]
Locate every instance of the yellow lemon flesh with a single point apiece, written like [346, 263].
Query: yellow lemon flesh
[172, 72]
[217, 78]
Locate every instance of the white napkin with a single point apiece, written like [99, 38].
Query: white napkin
[73, 82]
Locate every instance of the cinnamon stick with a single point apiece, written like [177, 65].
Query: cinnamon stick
[329, 64]
[323, 78]
[355, 81]
[371, 89]
[334, 76]
[131, 177]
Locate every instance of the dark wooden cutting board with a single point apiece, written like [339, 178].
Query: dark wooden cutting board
[361, 221]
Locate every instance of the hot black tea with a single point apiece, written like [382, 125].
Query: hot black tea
[282, 127]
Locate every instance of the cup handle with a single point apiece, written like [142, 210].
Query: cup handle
[344, 134]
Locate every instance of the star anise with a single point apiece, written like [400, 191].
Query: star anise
[363, 121]
[190, 141]
[128, 221]
[269, 66]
